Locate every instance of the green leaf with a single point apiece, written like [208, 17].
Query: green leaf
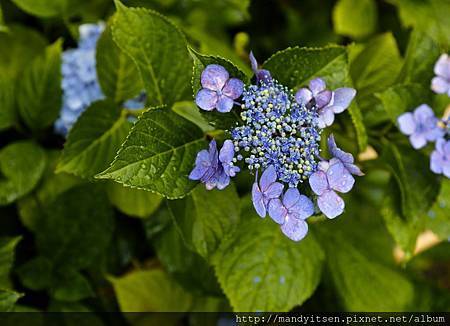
[117, 73]
[376, 66]
[21, 167]
[418, 186]
[358, 124]
[71, 286]
[187, 267]
[159, 50]
[94, 140]
[133, 202]
[362, 282]
[7, 247]
[7, 105]
[206, 217]
[8, 299]
[47, 8]
[39, 93]
[429, 16]
[438, 219]
[36, 274]
[158, 154]
[260, 269]
[150, 290]
[401, 98]
[3, 27]
[77, 228]
[294, 67]
[216, 119]
[190, 111]
[421, 55]
[355, 18]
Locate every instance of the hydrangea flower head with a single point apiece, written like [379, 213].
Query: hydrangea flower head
[421, 126]
[219, 90]
[266, 189]
[440, 158]
[441, 83]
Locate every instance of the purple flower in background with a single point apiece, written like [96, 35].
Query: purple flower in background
[345, 158]
[317, 91]
[291, 213]
[267, 189]
[440, 158]
[340, 101]
[441, 83]
[219, 90]
[261, 74]
[421, 126]
[226, 156]
[206, 164]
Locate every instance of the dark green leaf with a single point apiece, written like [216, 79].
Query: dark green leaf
[117, 73]
[260, 269]
[355, 18]
[7, 114]
[21, 166]
[71, 286]
[7, 247]
[158, 154]
[8, 299]
[94, 140]
[159, 50]
[438, 217]
[39, 93]
[47, 8]
[36, 274]
[190, 111]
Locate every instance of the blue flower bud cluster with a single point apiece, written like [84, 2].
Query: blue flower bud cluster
[277, 131]
[80, 83]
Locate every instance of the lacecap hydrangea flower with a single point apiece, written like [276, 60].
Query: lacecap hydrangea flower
[278, 139]
[80, 83]
[422, 126]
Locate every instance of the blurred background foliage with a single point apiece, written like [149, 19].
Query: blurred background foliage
[121, 250]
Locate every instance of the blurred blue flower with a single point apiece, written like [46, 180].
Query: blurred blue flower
[219, 90]
[346, 158]
[441, 83]
[266, 190]
[421, 126]
[316, 92]
[291, 213]
[440, 158]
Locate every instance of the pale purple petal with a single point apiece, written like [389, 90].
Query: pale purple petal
[440, 143]
[258, 200]
[253, 62]
[294, 229]
[406, 123]
[198, 172]
[291, 197]
[263, 75]
[434, 133]
[233, 88]
[337, 152]
[274, 190]
[303, 209]
[446, 169]
[436, 162]
[277, 211]
[318, 182]
[339, 178]
[225, 104]
[440, 85]
[303, 96]
[317, 85]
[423, 112]
[223, 180]
[226, 152]
[417, 140]
[206, 99]
[214, 77]
[326, 117]
[442, 66]
[268, 177]
[330, 204]
[342, 97]
[353, 169]
[323, 98]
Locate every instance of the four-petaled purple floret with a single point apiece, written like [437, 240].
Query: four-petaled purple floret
[441, 83]
[440, 158]
[268, 188]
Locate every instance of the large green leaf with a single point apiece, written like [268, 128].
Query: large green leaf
[438, 217]
[133, 202]
[76, 229]
[7, 247]
[7, 300]
[117, 73]
[217, 119]
[47, 8]
[206, 217]
[355, 18]
[429, 16]
[150, 290]
[7, 114]
[21, 166]
[401, 98]
[376, 66]
[294, 67]
[260, 269]
[158, 154]
[94, 140]
[159, 50]
[39, 93]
